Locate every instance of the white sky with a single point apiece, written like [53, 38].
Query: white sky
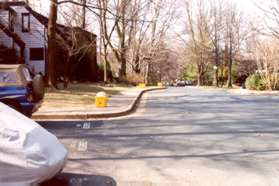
[246, 5]
[252, 6]
[249, 8]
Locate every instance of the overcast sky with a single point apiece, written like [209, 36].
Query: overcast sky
[246, 5]
[249, 8]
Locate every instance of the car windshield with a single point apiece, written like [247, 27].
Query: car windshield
[27, 74]
[8, 77]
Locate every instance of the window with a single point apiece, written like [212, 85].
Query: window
[25, 22]
[37, 54]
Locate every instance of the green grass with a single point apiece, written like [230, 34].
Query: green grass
[82, 89]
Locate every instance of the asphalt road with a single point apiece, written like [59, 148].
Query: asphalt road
[179, 136]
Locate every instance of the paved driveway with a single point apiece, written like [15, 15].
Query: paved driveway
[180, 136]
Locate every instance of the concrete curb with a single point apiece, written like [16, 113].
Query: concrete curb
[130, 109]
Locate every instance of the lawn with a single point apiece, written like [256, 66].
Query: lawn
[77, 96]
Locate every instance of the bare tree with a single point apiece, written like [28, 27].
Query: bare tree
[271, 20]
[233, 37]
[217, 12]
[265, 52]
[130, 28]
[199, 44]
[126, 28]
[106, 33]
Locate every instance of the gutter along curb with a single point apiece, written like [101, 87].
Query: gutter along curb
[87, 115]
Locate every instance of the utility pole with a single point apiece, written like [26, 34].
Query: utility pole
[83, 24]
[51, 42]
[102, 40]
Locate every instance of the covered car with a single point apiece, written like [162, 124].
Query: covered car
[29, 154]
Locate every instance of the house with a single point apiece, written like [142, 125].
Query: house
[82, 66]
[21, 30]
[25, 30]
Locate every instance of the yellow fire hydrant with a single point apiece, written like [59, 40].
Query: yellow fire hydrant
[101, 100]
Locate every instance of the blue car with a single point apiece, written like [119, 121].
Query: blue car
[19, 90]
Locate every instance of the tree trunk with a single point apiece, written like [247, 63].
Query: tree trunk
[146, 78]
[230, 60]
[66, 73]
[122, 72]
[122, 34]
[105, 65]
[123, 57]
[137, 64]
[199, 78]
[230, 73]
[216, 81]
[51, 43]
[199, 83]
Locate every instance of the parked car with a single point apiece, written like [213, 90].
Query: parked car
[170, 84]
[19, 89]
[29, 153]
[181, 83]
[189, 82]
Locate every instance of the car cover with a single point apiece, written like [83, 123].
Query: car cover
[28, 153]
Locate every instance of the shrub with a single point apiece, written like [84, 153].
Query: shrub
[189, 72]
[135, 78]
[256, 82]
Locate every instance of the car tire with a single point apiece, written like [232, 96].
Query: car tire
[38, 87]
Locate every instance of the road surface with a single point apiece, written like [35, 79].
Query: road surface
[178, 137]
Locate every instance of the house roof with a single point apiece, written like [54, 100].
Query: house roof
[5, 6]
[43, 19]
[8, 4]
[62, 31]
[13, 3]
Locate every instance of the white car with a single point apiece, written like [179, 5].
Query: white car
[28, 153]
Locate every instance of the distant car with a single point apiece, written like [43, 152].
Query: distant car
[189, 82]
[29, 153]
[181, 83]
[170, 84]
[19, 90]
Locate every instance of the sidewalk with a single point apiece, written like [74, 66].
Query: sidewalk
[253, 92]
[118, 105]
[241, 91]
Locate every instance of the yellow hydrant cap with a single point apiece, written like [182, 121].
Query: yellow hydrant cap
[101, 94]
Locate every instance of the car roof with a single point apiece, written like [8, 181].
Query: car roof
[11, 66]
[17, 69]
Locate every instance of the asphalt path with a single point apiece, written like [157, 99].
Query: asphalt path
[179, 136]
